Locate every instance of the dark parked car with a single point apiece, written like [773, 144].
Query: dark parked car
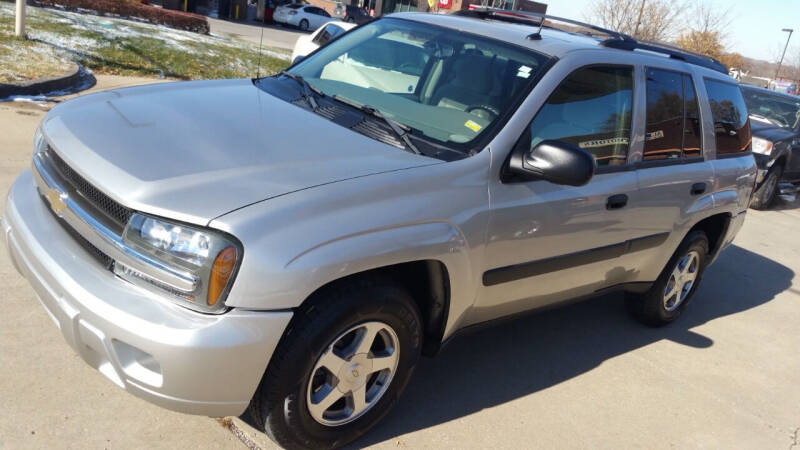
[355, 14]
[775, 124]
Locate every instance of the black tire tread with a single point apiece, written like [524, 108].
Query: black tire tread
[758, 201]
[326, 302]
[646, 308]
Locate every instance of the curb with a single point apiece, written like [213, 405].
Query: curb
[65, 82]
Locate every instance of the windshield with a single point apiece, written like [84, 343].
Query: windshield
[441, 84]
[774, 109]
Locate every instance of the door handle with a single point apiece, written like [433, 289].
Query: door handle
[698, 188]
[617, 201]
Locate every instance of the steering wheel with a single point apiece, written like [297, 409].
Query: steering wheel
[489, 108]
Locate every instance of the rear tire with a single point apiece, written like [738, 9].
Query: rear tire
[766, 193]
[675, 286]
[303, 25]
[288, 404]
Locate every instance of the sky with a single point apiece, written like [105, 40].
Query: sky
[754, 31]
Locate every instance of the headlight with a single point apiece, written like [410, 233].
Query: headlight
[762, 146]
[210, 257]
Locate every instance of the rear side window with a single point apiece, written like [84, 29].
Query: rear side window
[327, 33]
[591, 109]
[728, 110]
[673, 120]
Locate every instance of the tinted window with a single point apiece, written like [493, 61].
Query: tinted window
[664, 132]
[728, 110]
[327, 33]
[692, 130]
[591, 109]
[673, 119]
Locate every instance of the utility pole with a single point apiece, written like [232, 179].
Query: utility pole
[20, 22]
[790, 31]
[639, 19]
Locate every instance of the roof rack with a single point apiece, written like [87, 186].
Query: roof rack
[669, 50]
[616, 40]
[533, 18]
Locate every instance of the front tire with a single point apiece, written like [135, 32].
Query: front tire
[675, 286]
[304, 25]
[342, 363]
[766, 193]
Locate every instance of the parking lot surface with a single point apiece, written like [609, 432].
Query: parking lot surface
[725, 375]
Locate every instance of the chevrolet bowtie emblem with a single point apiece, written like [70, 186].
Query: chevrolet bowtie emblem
[56, 199]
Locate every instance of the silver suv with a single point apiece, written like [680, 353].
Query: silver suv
[291, 245]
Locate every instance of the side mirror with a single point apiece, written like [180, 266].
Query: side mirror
[555, 161]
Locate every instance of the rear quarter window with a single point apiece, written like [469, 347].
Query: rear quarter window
[729, 112]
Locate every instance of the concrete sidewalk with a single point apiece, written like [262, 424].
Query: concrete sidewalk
[725, 375]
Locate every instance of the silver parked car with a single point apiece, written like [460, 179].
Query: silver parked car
[406, 181]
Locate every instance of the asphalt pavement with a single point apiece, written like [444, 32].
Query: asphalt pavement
[273, 35]
[725, 375]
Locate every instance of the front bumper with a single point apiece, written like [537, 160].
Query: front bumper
[166, 354]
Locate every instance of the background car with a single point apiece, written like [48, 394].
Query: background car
[775, 124]
[356, 15]
[315, 40]
[305, 17]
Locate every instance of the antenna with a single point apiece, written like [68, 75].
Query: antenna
[260, 41]
[538, 35]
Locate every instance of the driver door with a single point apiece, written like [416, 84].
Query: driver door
[547, 242]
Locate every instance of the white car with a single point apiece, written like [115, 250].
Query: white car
[309, 43]
[305, 17]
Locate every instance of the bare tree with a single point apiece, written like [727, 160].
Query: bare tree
[655, 20]
[706, 33]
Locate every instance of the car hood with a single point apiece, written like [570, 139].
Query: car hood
[194, 151]
[769, 131]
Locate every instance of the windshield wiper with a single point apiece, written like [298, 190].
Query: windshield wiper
[307, 89]
[399, 129]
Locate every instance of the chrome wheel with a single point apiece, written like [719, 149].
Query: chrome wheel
[681, 280]
[353, 373]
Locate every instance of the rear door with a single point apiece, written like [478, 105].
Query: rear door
[676, 179]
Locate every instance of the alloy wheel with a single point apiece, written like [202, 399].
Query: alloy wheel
[681, 280]
[353, 373]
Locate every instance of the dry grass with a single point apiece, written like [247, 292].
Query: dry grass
[24, 60]
[117, 46]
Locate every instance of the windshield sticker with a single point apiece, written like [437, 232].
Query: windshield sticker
[472, 126]
[524, 72]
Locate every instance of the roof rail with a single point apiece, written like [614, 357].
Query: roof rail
[617, 40]
[533, 18]
[669, 50]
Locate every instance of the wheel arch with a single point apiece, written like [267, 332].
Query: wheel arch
[428, 282]
[715, 227]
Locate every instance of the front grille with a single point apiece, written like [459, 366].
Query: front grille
[104, 260]
[102, 202]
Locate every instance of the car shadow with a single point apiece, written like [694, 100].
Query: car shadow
[534, 352]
